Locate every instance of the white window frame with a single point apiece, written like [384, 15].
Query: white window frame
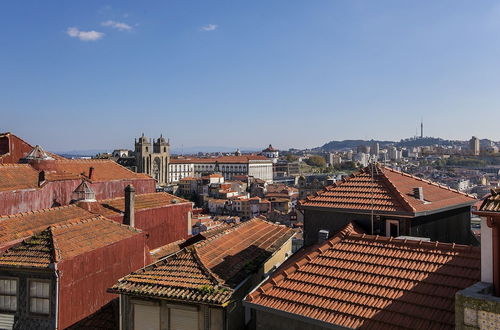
[48, 298]
[16, 295]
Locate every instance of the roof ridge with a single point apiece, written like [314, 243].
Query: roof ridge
[20, 214]
[92, 217]
[212, 275]
[421, 243]
[399, 195]
[57, 255]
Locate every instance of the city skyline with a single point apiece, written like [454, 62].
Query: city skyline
[319, 71]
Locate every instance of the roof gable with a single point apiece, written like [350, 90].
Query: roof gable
[386, 191]
[356, 280]
[64, 241]
[209, 270]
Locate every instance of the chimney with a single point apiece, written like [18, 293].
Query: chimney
[323, 235]
[418, 193]
[129, 217]
[41, 178]
[91, 173]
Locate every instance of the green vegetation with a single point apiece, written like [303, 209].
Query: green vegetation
[316, 161]
[209, 289]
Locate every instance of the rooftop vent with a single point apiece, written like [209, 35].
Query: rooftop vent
[418, 193]
[323, 235]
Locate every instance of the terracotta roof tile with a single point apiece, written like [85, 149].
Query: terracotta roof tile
[362, 281]
[22, 225]
[143, 201]
[209, 270]
[104, 169]
[65, 240]
[491, 203]
[18, 176]
[389, 192]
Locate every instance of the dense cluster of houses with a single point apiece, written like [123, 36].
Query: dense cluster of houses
[88, 244]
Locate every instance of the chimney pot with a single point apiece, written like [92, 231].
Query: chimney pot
[323, 235]
[129, 216]
[91, 173]
[418, 193]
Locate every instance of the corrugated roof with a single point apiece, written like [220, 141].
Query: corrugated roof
[65, 240]
[209, 270]
[390, 191]
[360, 281]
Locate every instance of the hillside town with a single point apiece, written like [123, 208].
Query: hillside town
[141, 239]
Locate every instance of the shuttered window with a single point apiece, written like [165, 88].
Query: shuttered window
[146, 317]
[216, 319]
[39, 300]
[8, 294]
[183, 319]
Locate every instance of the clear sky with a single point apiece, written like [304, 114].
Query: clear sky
[96, 74]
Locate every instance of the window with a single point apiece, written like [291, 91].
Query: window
[8, 294]
[146, 316]
[39, 297]
[392, 228]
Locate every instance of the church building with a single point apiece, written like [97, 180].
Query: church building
[153, 158]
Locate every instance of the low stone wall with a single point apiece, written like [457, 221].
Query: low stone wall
[477, 308]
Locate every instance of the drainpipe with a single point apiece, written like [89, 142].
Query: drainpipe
[57, 296]
[493, 223]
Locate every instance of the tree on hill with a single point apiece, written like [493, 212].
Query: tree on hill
[316, 161]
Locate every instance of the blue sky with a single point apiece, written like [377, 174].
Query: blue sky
[95, 74]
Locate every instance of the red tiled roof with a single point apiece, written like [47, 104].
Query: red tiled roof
[360, 281]
[491, 203]
[19, 226]
[116, 206]
[390, 192]
[104, 169]
[223, 159]
[18, 176]
[209, 270]
[64, 241]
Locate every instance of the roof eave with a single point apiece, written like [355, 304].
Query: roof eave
[184, 301]
[357, 211]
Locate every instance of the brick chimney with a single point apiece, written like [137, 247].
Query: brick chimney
[129, 217]
[91, 173]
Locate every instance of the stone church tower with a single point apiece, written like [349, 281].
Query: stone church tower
[153, 159]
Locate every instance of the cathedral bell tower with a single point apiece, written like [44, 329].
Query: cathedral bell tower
[143, 155]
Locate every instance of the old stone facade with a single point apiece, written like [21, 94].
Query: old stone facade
[153, 158]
